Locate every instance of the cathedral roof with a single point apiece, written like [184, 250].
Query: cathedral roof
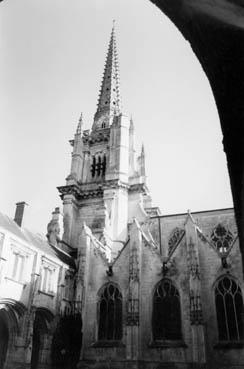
[109, 102]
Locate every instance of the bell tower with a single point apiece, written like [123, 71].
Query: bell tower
[105, 188]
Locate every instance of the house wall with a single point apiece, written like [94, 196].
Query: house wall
[24, 293]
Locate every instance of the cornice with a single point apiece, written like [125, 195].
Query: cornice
[69, 190]
[78, 193]
[138, 187]
[82, 191]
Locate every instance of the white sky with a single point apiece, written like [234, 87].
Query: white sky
[52, 59]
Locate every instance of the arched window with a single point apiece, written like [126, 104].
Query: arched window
[166, 319]
[104, 165]
[99, 163]
[110, 313]
[229, 309]
[93, 167]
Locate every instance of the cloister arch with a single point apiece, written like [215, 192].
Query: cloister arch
[215, 30]
[4, 340]
[41, 328]
[11, 312]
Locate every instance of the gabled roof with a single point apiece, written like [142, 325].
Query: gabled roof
[37, 240]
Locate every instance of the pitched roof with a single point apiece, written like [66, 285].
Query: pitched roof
[36, 239]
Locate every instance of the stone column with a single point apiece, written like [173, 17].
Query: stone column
[29, 322]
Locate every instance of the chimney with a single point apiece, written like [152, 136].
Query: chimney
[19, 212]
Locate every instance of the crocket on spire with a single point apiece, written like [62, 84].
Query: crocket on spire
[109, 102]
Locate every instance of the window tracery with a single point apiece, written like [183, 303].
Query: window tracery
[222, 238]
[229, 309]
[110, 313]
[166, 319]
[98, 166]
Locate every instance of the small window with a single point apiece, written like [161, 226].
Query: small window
[18, 267]
[166, 319]
[47, 279]
[229, 309]
[110, 314]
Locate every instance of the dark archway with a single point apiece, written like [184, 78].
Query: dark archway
[4, 339]
[67, 341]
[11, 313]
[40, 329]
[215, 30]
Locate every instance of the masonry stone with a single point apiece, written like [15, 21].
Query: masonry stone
[123, 287]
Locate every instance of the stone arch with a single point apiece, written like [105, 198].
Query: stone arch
[4, 339]
[41, 329]
[11, 312]
[216, 35]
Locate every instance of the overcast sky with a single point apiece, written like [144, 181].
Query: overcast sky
[51, 65]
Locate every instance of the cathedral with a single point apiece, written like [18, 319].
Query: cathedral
[124, 287]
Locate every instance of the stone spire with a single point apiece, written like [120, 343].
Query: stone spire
[109, 103]
[131, 149]
[141, 162]
[79, 126]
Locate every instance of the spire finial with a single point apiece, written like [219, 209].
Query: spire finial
[109, 102]
[142, 150]
[80, 124]
[131, 123]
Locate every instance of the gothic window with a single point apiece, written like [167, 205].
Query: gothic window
[229, 309]
[99, 166]
[93, 167]
[110, 313]
[104, 165]
[175, 238]
[166, 318]
[221, 238]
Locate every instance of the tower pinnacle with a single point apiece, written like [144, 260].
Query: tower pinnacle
[80, 124]
[109, 103]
